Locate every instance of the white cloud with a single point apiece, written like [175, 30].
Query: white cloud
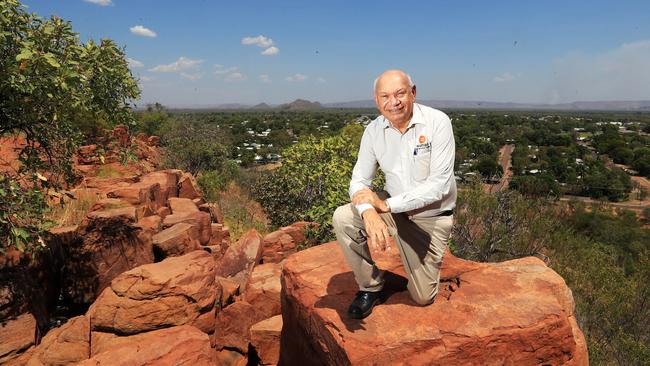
[134, 63]
[221, 70]
[321, 80]
[259, 41]
[296, 78]
[191, 77]
[621, 73]
[505, 77]
[270, 51]
[142, 31]
[100, 2]
[265, 78]
[147, 78]
[228, 73]
[263, 42]
[183, 63]
[235, 76]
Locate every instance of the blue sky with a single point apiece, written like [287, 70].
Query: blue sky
[199, 53]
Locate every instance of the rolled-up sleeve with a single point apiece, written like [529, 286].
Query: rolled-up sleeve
[364, 170]
[441, 173]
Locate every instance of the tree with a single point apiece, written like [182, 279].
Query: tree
[51, 83]
[313, 180]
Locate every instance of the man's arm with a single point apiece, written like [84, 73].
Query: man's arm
[441, 173]
[364, 170]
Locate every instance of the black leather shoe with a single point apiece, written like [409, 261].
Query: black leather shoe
[363, 303]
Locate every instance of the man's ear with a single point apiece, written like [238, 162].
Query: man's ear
[413, 90]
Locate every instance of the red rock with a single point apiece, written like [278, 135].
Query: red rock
[121, 134]
[22, 359]
[240, 258]
[100, 341]
[214, 210]
[168, 181]
[277, 246]
[181, 205]
[181, 345]
[297, 230]
[151, 223]
[265, 338]
[64, 345]
[201, 220]
[206, 322]
[226, 357]
[188, 187]
[16, 336]
[124, 213]
[108, 203]
[232, 330]
[518, 312]
[147, 195]
[163, 212]
[263, 291]
[230, 290]
[177, 240]
[199, 201]
[108, 243]
[153, 141]
[173, 292]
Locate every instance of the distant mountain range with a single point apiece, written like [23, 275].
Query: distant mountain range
[641, 105]
[302, 104]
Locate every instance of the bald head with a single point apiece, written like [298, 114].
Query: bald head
[395, 97]
[393, 73]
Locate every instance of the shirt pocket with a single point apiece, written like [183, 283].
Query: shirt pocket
[421, 166]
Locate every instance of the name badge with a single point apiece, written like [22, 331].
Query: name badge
[423, 146]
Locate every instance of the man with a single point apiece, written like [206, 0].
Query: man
[414, 147]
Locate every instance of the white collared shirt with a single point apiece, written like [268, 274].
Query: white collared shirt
[419, 164]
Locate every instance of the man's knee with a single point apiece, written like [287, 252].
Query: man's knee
[342, 216]
[424, 298]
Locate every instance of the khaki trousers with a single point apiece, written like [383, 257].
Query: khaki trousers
[421, 243]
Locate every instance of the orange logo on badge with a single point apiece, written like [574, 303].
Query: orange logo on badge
[422, 139]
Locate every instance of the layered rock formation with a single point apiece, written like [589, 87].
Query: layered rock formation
[518, 312]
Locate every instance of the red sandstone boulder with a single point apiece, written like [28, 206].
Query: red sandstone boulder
[226, 357]
[214, 210]
[230, 290]
[146, 195]
[240, 258]
[265, 338]
[108, 243]
[16, 336]
[518, 312]
[177, 240]
[181, 205]
[277, 246]
[168, 181]
[181, 345]
[201, 220]
[297, 230]
[67, 344]
[232, 330]
[188, 187]
[263, 291]
[173, 292]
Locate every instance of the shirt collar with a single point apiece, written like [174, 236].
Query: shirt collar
[416, 119]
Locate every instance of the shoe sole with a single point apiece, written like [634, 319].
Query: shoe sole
[364, 315]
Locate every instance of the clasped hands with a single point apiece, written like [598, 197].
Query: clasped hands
[376, 228]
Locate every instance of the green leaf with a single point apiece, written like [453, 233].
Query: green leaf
[51, 60]
[25, 54]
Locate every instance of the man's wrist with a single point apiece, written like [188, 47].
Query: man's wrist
[386, 205]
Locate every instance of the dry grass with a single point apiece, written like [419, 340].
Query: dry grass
[73, 210]
[107, 171]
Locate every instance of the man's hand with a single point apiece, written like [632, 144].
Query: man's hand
[370, 197]
[377, 231]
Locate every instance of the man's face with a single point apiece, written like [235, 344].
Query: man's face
[395, 98]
